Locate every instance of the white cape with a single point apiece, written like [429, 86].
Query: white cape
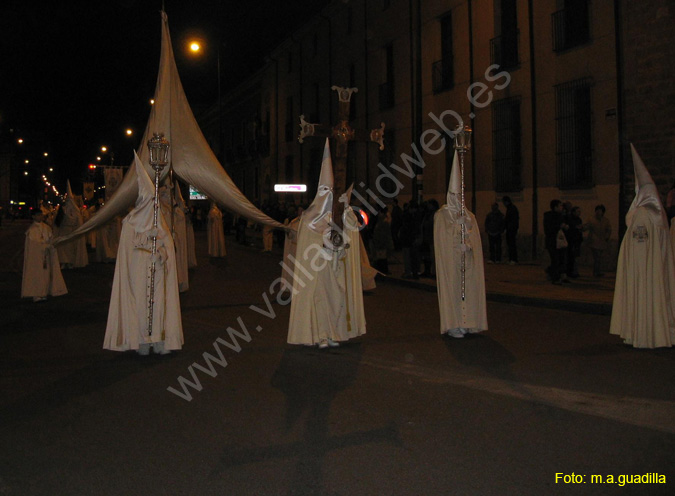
[190, 156]
[127, 326]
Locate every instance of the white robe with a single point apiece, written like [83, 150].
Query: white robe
[73, 252]
[468, 314]
[41, 271]
[643, 312]
[216, 234]
[127, 326]
[327, 295]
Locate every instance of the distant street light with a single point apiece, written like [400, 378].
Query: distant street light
[129, 132]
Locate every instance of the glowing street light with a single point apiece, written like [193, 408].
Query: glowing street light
[129, 132]
[195, 46]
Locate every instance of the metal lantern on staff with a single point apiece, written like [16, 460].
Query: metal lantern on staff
[462, 142]
[158, 147]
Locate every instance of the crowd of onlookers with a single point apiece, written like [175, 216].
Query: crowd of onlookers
[409, 230]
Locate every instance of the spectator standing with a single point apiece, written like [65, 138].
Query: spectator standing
[410, 237]
[574, 236]
[553, 224]
[427, 247]
[494, 227]
[396, 223]
[511, 225]
[382, 241]
[599, 231]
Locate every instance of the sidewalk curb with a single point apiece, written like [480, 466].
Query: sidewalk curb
[568, 305]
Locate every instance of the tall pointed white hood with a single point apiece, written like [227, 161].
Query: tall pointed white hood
[192, 159]
[646, 194]
[454, 194]
[318, 214]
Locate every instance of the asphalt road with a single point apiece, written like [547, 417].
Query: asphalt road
[400, 411]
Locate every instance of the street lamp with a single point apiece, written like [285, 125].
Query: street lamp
[158, 147]
[196, 47]
[462, 142]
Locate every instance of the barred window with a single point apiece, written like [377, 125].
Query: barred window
[506, 144]
[573, 115]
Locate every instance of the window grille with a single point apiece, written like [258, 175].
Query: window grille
[573, 115]
[506, 144]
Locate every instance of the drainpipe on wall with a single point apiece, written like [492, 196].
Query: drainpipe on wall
[366, 92]
[414, 128]
[533, 98]
[472, 114]
[619, 117]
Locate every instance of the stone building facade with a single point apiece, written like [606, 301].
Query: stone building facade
[554, 91]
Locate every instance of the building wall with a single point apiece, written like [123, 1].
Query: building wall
[348, 43]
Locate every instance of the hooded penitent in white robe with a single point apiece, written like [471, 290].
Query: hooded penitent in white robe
[189, 230]
[643, 312]
[327, 299]
[216, 234]
[74, 252]
[127, 327]
[176, 224]
[41, 271]
[459, 316]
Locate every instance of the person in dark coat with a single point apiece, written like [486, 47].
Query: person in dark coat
[511, 225]
[396, 223]
[494, 227]
[574, 236]
[553, 223]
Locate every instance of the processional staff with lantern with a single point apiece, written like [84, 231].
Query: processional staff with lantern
[340, 135]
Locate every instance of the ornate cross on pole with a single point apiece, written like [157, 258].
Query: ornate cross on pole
[340, 135]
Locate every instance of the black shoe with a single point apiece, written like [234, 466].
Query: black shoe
[557, 283]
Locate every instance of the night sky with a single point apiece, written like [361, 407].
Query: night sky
[75, 74]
